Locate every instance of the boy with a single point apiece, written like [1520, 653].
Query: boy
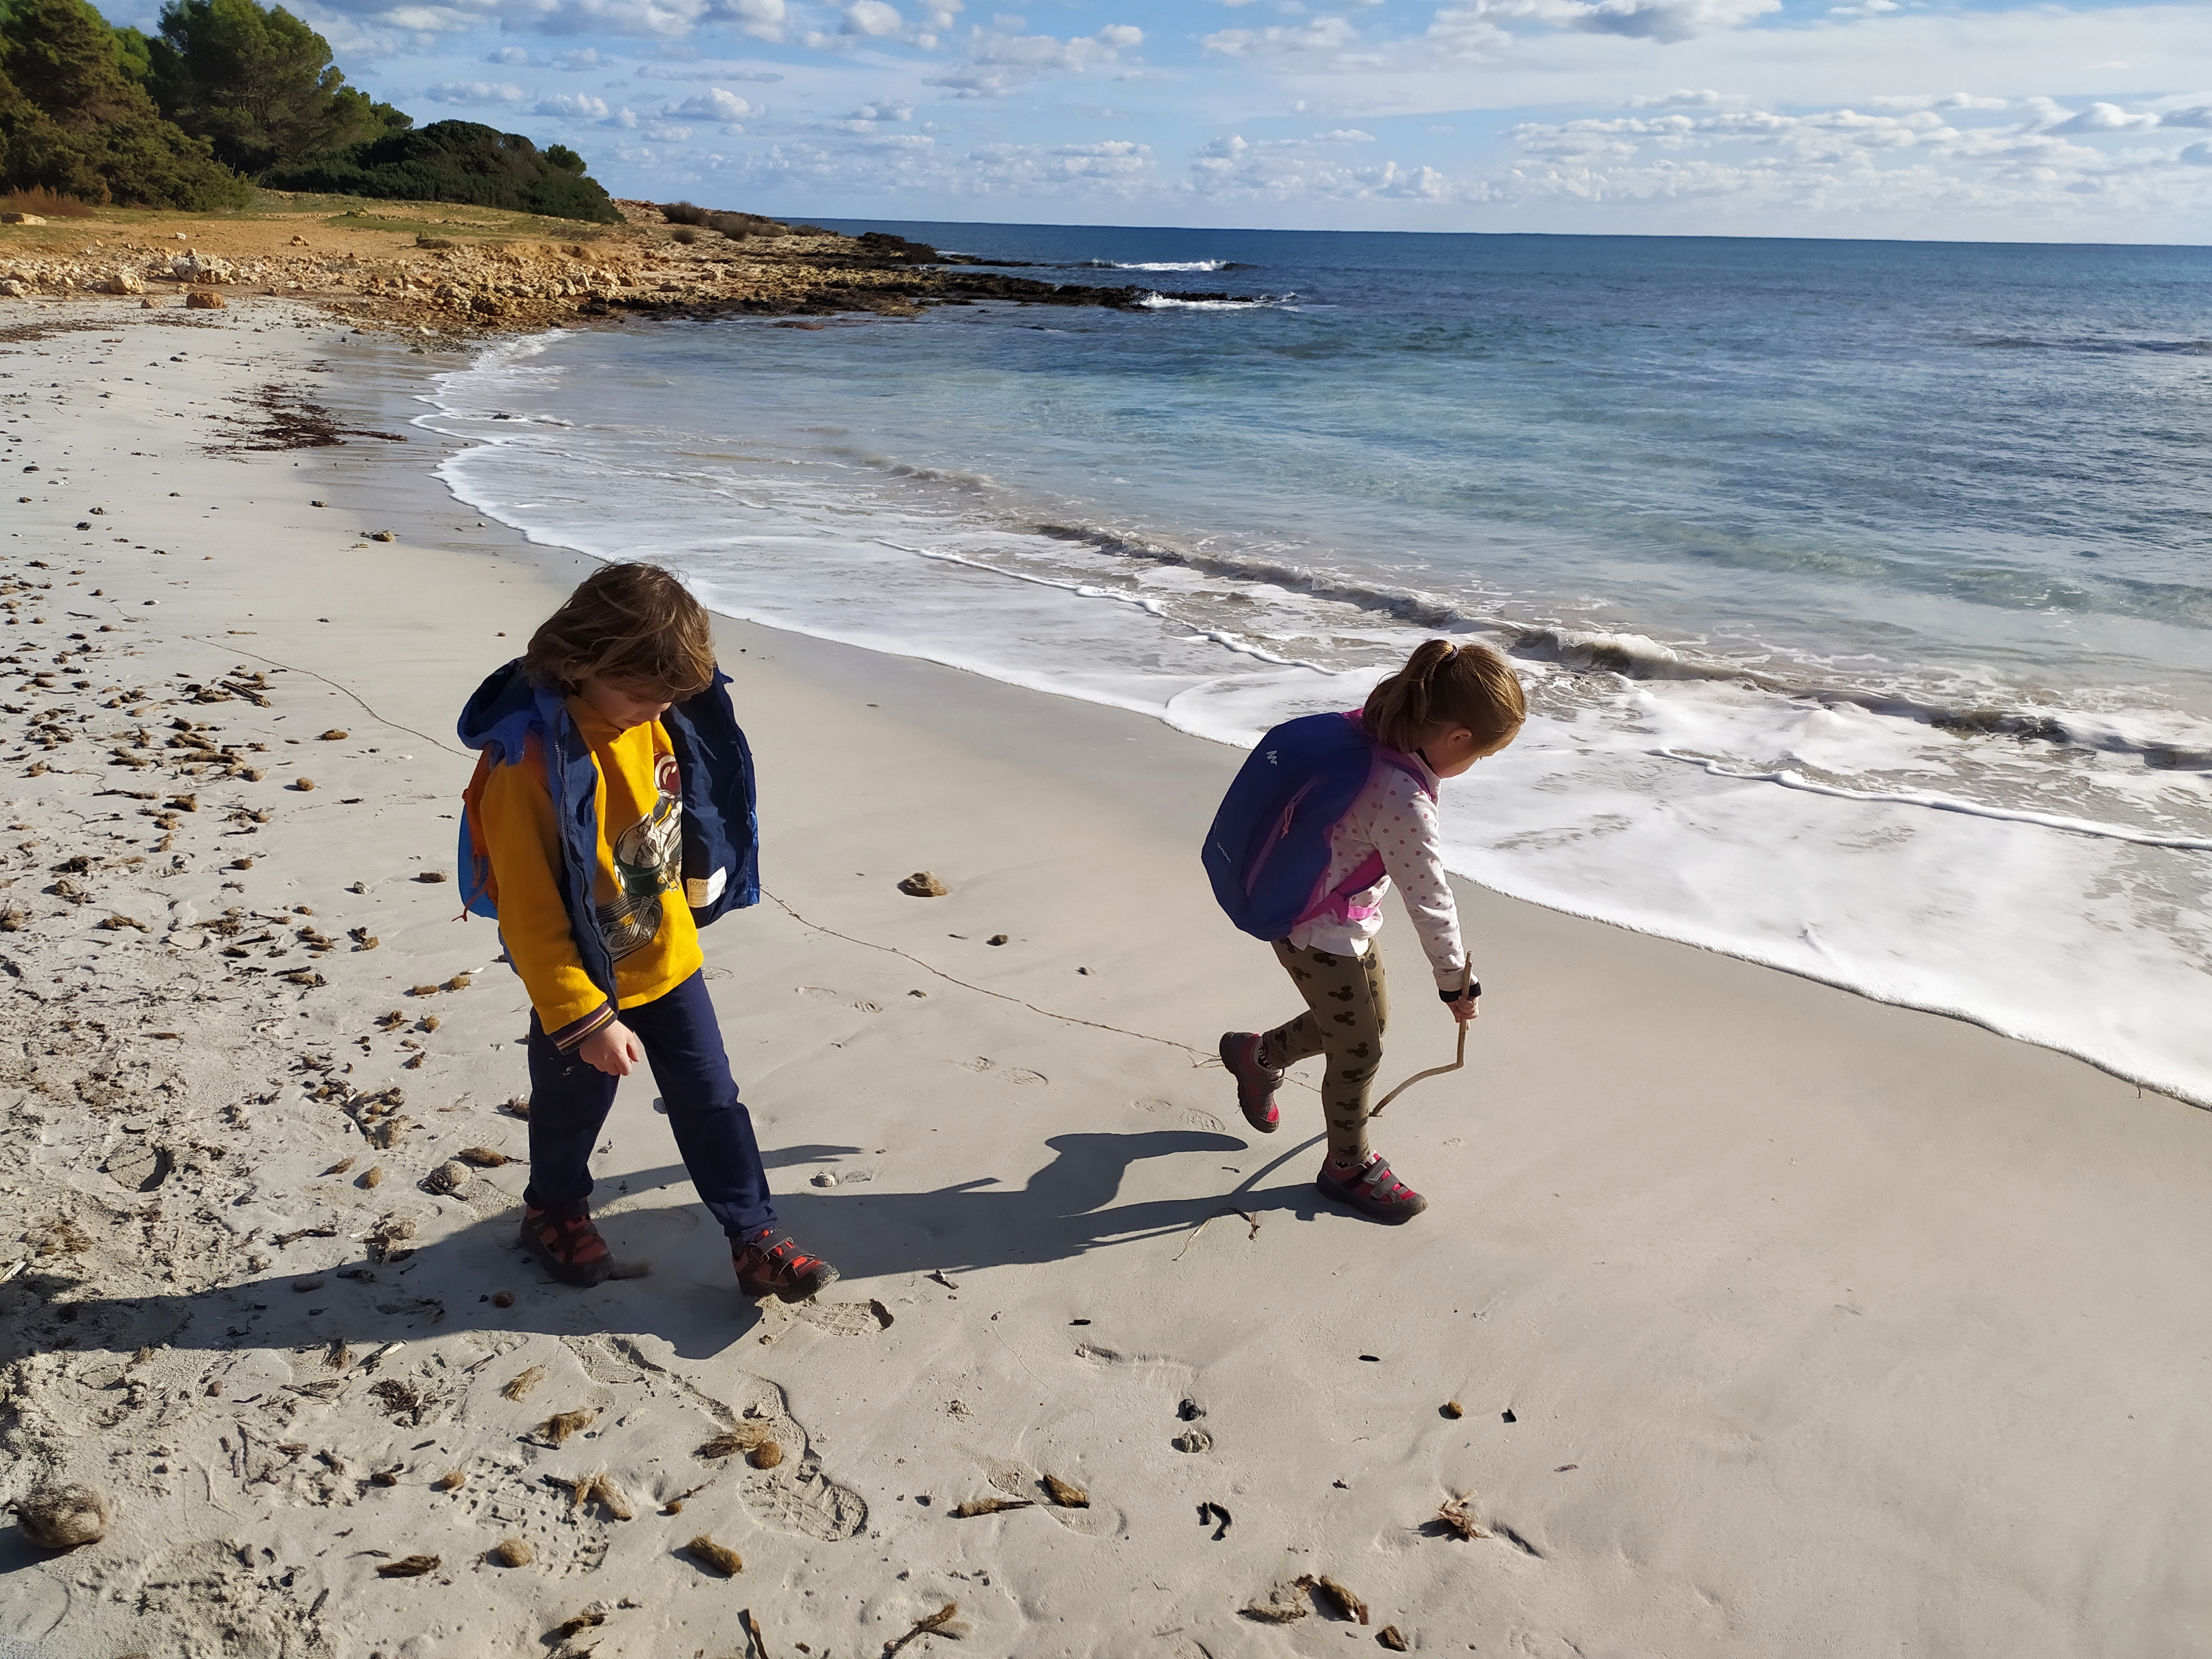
[611, 814]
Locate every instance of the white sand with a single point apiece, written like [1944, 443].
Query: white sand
[1825, 1327]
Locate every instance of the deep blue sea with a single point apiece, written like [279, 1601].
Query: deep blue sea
[1863, 590]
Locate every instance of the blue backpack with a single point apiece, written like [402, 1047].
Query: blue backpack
[1267, 854]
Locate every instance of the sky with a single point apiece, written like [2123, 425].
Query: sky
[1787, 118]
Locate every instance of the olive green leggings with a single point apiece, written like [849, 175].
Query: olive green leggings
[1347, 1006]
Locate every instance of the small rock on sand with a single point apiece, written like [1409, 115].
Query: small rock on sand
[1194, 1440]
[201, 299]
[448, 1178]
[922, 884]
[62, 1517]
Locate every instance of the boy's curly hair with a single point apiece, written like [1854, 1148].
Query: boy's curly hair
[634, 624]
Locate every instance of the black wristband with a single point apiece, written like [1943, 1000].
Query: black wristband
[1473, 989]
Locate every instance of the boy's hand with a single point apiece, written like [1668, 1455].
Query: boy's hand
[613, 1050]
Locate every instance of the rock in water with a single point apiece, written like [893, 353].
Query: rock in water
[922, 884]
[62, 1517]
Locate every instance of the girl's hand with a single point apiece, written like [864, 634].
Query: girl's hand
[1465, 1008]
[613, 1050]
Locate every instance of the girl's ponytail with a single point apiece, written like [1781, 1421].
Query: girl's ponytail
[1469, 685]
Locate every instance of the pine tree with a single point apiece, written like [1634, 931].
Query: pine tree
[73, 121]
[259, 85]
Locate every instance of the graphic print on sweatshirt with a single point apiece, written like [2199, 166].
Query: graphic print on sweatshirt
[647, 859]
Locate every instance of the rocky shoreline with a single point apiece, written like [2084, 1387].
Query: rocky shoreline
[462, 271]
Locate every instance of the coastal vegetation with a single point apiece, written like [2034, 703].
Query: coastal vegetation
[226, 94]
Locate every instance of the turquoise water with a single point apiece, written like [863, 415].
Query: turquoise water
[1864, 590]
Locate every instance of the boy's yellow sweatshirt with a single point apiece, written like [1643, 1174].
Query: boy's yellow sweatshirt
[637, 890]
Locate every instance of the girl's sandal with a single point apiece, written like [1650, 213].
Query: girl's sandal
[1374, 1192]
[1256, 1084]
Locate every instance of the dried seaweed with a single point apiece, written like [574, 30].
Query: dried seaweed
[514, 1552]
[936, 1621]
[522, 1383]
[1065, 1493]
[558, 1427]
[975, 1506]
[1454, 1517]
[62, 1517]
[599, 1485]
[1350, 1604]
[410, 1567]
[720, 1556]
[729, 1442]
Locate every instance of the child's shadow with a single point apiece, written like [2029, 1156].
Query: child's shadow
[689, 1297]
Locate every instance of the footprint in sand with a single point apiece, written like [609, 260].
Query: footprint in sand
[823, 993]
[1005, 1073]
[845, 1318]
[1189, 1116]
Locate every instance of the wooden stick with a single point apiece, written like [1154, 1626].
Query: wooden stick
[1466, 981]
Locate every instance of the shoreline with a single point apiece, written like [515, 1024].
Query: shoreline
[1873, 962]
[1761, 1299]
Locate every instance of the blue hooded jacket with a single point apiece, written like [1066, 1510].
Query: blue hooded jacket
[720, 825]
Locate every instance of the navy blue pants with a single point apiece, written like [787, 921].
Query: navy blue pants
[570, 1100]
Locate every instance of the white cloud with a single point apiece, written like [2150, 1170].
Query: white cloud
[666, 135]
[869, 116]
[717, 105]
[475, 92]
[2105, 118]
[716, 72]
[1323, 34]
[508, 55]
[995, 63]
[2200, 115]
[872, 17]
[572, 108]
[1286, 170]
[1640, 20]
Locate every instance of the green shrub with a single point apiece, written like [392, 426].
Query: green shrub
[454, 162]
[683, 213]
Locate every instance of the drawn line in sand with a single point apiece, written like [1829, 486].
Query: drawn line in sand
[1216, 1216]
[1201, 1057]
[347, 690]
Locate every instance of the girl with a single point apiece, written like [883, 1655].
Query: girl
[611, 814]
[1448, 707]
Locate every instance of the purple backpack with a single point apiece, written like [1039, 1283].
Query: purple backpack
[1267, 854]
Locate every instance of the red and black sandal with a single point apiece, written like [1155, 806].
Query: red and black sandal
[567, 1245]
[770, 1265]
[1374, 1192]
[1256, 1084]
